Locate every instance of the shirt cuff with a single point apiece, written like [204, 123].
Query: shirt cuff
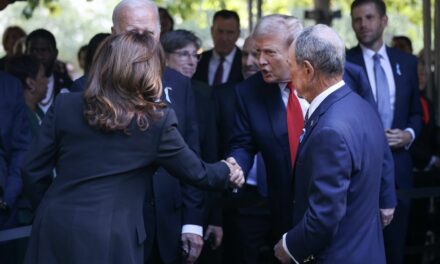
[193, 229]
[287, 250]
[431, 163]
[413, 135]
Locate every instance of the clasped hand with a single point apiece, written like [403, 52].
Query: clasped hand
[236, 176]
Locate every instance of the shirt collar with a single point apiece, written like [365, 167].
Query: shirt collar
[369, 53]
[228, 58]
[321, 97]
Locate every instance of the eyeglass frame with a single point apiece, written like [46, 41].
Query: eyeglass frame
[186, 55]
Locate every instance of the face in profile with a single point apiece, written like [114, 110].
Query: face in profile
[272, 54]
[249, 62]
[225, 33]
[368, 24]
[184, 60]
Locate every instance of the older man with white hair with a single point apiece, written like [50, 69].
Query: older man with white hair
[336, 216]
[178, 208]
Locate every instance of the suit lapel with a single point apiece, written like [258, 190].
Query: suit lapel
[357, 57]
[395, 68]
[322, 108]
[277, 114]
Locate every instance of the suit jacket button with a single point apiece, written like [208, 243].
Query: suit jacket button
[152, 203]
[294, 202]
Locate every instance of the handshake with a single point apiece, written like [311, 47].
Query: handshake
[236, 176]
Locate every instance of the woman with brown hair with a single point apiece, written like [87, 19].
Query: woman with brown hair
[106, 145]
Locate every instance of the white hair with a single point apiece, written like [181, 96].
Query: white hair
[323, 48]
[281, 24]
[134, 4]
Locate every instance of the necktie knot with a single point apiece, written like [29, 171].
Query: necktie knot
[376, 58]
[290, 86]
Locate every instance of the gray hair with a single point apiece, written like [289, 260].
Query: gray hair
[323, 48]
[178, 39]
[288, 25]
[134, 4]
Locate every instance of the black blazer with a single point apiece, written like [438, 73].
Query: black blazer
[202, 70]
[92, 211]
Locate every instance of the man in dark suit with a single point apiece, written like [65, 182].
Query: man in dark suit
[222, 64]
[336, 214]
[246, 213]
[393, 78]
[42, 44]
[179, 208]
[15, 137]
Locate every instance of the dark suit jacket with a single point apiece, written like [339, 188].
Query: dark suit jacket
[177, 203]
[337, 184]
[79, 84]
[206, 120]
[356, 78]
[61, 80]
[202, 70]
[407, 109]
[15, 137]
[173, 202]
[96, 200]
[260, 126]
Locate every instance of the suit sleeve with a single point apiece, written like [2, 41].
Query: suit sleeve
[242, 145]
[41, 158]
[20, 141]
[180, 161]
[388, 196]
[193, 198]
[327, 200]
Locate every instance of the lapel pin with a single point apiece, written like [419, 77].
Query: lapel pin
[398, 69]
[167, 96]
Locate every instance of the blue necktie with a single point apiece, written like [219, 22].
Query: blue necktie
[382, 93]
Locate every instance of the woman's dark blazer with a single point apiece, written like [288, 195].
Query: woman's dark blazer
[92, 211]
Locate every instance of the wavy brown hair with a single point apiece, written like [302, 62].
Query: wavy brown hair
[124, 82]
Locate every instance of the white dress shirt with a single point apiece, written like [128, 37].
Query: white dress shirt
[285, 96]
[227, 65]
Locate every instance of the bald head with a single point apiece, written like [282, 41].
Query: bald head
[140, 16]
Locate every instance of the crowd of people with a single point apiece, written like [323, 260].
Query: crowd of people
[290, 149]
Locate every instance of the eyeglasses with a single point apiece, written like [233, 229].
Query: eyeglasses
[187, 55]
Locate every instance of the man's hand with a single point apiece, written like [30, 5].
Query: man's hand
[281, 254]
[386, 216]
[214, 234]
[236, 176]
[192, 245]
[398, 138]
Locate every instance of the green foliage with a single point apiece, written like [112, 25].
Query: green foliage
[74, 22]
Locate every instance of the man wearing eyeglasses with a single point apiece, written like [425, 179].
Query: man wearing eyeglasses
[222, 64]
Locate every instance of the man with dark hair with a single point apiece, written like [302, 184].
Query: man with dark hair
[10, 37]
[403, 43]
[393, 78]
[42, 44]
[222, 64]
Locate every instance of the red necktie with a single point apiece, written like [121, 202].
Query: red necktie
[295, 122]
